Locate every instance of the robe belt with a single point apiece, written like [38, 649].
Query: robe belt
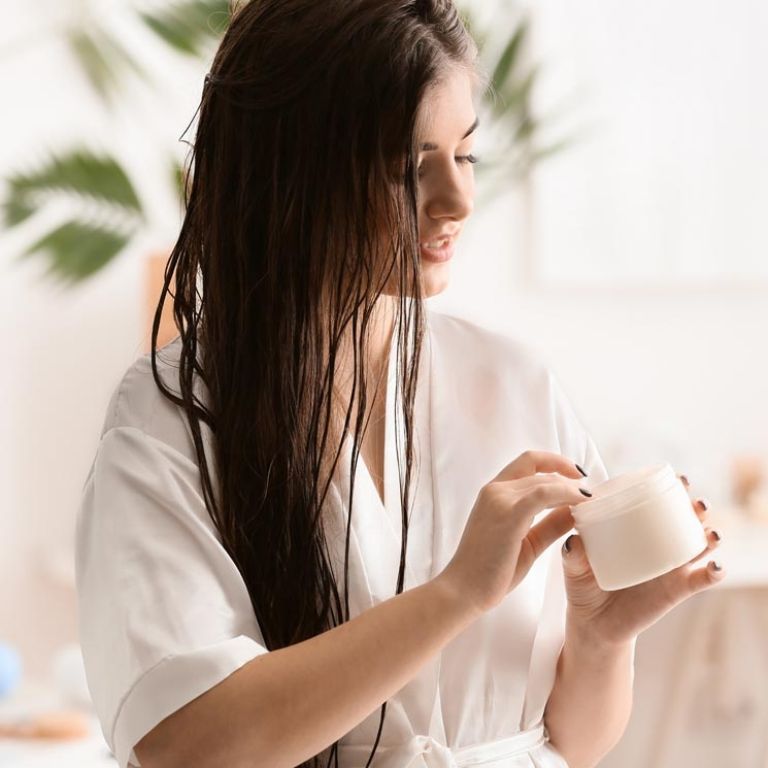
[426, 752]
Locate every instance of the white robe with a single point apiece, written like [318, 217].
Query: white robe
[164, 614]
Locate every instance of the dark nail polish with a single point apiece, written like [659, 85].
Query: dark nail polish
[583, 473]
[716, 566]
[716, 535]
[703, 504]
[586, 493]
[567, 544]
[685, 480]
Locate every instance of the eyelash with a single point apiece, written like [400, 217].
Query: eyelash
[470, 158]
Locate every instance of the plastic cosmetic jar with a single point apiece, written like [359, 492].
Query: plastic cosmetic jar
[637, 526]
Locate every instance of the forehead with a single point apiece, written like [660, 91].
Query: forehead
[447, 108]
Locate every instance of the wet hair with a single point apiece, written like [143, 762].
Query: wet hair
[300, 206]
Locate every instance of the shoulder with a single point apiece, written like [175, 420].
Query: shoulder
[138, 403]
[499, 378]
[490, 352]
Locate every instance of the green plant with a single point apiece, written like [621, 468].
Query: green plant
[517, 131]
[105, 210]
[187, 26]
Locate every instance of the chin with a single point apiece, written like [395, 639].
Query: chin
[434, 284]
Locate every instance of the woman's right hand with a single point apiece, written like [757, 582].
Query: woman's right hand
[499, 545]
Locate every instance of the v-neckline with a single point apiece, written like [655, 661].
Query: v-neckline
[376, 528]
[390, 470]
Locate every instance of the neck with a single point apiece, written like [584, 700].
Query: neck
[380, 332]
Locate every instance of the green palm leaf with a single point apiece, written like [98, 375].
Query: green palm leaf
[78, 173]
[97, 67]
[514, 96]
[189, 25]
[178, 178]
[508, 100]
[76, 250]
[508, 62]
[93, 185]
[102, 57]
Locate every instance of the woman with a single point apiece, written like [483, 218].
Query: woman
[245, 595]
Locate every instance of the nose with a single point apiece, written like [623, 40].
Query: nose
[449, 194]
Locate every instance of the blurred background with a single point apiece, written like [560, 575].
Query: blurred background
[621, 227]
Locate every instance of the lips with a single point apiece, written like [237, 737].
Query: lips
[437, 244]
[439, 241]
[440, 254]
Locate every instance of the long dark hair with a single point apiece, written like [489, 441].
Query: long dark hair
[300, 209]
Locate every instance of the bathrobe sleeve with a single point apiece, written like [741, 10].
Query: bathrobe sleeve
[163, 612]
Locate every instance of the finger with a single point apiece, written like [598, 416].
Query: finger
[531, 462]
[549, 529]
[702, 578]
[575, 562]
[713, 541]
[679, 584]
[700, 507]
[549, 495]
[525, 483]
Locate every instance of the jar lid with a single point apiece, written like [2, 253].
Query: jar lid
[619, 494]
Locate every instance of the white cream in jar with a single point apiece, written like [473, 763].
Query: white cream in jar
[637, 526]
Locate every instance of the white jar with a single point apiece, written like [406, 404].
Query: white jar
[637, 526]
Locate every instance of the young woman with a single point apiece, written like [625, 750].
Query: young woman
[318, 528]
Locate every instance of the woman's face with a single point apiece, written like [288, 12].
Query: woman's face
[445, 135]
[446, 174]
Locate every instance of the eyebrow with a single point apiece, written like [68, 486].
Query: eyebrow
[428, 146]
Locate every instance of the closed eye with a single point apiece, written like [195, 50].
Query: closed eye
[462, 159]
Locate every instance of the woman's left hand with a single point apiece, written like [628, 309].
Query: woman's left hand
[619, 616]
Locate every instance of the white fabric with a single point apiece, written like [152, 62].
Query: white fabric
[164, 614]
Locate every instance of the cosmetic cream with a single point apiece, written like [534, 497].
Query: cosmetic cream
[637, 526]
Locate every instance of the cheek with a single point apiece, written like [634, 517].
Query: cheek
[422, 219]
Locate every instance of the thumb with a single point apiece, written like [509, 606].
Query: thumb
[575, 564]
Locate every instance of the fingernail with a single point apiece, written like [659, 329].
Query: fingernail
[715, 565]
[583, 473]
[685, 480]
[716, 535]
[703, 504]
[567, 544]
[586, 493]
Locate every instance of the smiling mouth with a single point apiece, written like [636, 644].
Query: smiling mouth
[440, 241]
[437, 244]
[442, 253]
